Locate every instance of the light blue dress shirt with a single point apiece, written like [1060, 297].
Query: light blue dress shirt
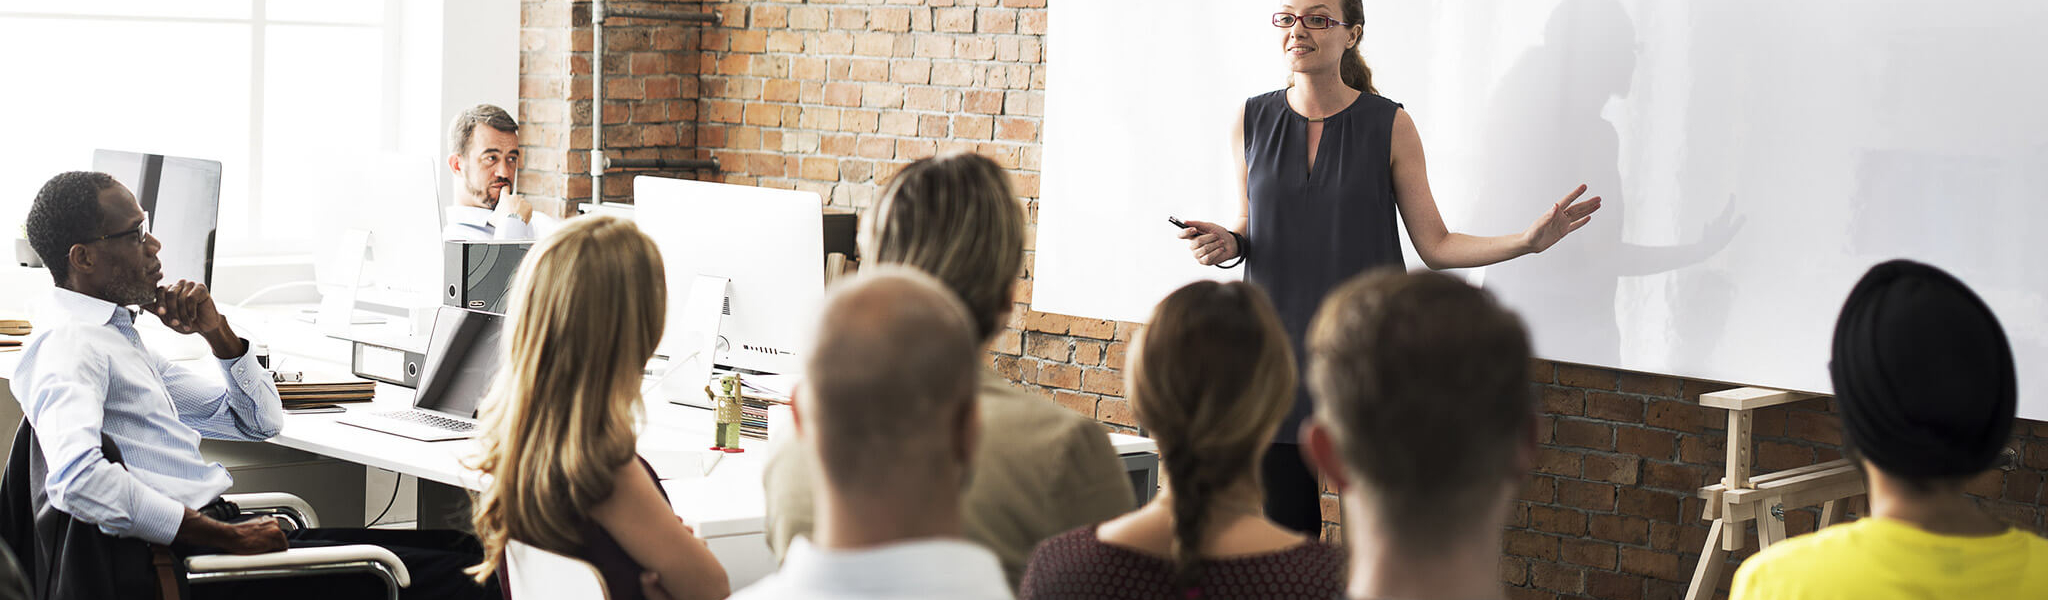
[469, 224]
[86, 372]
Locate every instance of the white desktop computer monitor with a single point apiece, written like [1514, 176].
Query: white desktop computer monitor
[182, 197]
[394, 198]
[378, 252]
[768, 243]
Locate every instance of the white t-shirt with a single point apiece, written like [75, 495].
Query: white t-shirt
[934, 569]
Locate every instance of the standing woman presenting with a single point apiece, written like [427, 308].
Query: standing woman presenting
[1327, 163]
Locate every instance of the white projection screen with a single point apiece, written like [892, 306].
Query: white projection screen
[1755, 158]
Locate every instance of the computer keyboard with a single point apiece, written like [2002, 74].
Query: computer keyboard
[427, 419]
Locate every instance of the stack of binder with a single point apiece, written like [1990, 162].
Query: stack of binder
[320, 388]
[754, 417]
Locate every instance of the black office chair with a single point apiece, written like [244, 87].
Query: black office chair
[63, 557]
[13, 586]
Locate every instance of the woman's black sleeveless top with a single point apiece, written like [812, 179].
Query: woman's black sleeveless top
[1313, 229]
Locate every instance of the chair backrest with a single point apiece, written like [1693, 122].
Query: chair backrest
[532, 573]
[63, 557]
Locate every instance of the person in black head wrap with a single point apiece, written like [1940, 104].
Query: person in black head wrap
[1924, 375]
[1925, 380]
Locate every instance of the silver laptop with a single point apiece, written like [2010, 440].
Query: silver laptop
[462, 358]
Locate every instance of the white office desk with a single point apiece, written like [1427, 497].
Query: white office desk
[728, 501]
[727, 507]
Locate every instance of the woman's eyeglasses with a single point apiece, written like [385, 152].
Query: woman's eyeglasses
[1286, 20]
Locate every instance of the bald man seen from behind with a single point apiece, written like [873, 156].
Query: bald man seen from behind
[888, 414]
[1040, 469]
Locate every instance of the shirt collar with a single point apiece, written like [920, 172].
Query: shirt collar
[73, 307]
[928, 565]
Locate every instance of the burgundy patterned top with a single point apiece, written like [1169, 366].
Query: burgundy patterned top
[1077, 565]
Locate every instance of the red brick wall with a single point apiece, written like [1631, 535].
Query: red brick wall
[651, 89]
[834, 96]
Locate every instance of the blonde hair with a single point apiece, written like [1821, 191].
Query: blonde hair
[954, 217]
[587, 311]
[1211, 382]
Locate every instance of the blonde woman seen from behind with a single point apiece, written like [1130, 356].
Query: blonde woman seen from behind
[1211, 380]
[558, 433]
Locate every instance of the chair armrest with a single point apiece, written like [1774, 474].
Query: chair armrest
[277, 503]
[301, 557]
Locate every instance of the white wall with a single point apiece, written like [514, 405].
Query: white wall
[479, 42]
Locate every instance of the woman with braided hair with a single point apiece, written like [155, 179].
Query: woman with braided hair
[1211, 380]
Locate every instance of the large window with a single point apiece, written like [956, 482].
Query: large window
[289, 95]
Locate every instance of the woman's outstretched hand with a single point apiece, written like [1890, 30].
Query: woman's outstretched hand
[1567, 216]
[1210, 243]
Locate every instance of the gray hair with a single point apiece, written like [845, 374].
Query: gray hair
[465, 124]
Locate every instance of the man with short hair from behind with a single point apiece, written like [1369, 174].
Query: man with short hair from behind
[887, 408]
[1925, 382]
[483, 154]
[1425, 422]
[1040, 469]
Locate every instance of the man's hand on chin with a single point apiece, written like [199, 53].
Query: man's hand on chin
[187, 307]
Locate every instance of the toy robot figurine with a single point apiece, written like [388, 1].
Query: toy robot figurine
[726, 438]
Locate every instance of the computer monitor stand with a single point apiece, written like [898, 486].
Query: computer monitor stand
[338, 294]
[689, 365]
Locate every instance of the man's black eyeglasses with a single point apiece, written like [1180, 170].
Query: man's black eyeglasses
[141, 232]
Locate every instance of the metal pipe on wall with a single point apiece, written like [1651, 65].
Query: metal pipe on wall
[598, 162]
[596, 101]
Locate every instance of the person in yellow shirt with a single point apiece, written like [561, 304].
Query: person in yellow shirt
[1925, 380]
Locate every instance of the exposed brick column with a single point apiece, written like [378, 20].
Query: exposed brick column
[548, 92]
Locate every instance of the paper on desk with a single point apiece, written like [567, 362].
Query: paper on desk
[682, 464]
[770, 386]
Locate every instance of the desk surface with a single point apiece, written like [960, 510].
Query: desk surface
[728, 501]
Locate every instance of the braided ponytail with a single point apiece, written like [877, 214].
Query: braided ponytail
[1211, 381]
[1191, 496]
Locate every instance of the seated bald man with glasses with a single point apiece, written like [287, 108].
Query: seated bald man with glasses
[86, 378]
